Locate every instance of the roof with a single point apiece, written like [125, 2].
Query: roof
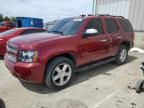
[100, 15]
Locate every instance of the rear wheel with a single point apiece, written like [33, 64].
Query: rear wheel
[122, 55]
[59, 73]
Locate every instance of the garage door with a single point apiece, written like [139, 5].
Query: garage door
[113, 7]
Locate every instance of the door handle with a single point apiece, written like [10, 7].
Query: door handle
[119, 37]
[104, 40]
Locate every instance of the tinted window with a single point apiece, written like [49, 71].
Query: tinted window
[126, 25]
[96, 24]
[32, 31]
[111, 26]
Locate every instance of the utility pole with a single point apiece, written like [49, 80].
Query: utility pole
[94, 7]
[58, 16]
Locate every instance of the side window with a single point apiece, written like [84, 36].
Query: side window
[112, 26]
[96, 24]
[126, 25]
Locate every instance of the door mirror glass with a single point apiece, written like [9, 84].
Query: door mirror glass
[90, 32]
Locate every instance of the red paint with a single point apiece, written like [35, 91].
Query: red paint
[6, 26]
[83, 50]
[5, 37]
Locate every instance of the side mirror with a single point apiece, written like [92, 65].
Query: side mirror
[90, 32]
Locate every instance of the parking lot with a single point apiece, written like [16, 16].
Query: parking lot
[107, 86]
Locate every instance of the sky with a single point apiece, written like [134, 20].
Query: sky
[46, 9]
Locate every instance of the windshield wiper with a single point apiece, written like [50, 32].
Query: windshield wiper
[59, 32]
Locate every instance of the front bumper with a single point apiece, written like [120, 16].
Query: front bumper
[29, 72]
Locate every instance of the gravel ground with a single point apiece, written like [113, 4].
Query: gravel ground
[107, 86]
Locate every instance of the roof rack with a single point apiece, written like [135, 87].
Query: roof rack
[102, 15]
[109, 15]
[119, 16]
[84, 15]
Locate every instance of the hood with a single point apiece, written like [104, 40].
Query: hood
[3, 28]
[4, 36]
[34, 39]
[7, 37]
[1, 36]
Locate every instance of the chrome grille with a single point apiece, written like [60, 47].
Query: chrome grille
[11, 49]
[12, 58]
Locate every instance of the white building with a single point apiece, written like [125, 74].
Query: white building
[131, 9]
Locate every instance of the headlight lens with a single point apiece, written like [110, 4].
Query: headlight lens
[28, 56]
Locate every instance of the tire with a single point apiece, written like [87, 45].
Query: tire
[139, 85]
[59, 73]
[122, 55]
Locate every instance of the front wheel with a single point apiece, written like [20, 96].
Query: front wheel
[122, 55]
[59, 73]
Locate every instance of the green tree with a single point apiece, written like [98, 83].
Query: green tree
[1, 17]
[6, 18]
[13, 19]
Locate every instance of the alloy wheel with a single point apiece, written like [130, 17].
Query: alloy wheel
[62, 74]
[123, 55]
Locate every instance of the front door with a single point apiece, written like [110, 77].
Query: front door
[94, 47]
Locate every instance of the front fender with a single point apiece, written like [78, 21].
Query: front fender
[54, 52]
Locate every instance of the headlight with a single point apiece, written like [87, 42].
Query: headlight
[28, 56]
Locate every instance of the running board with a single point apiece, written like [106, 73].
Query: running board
[96, 64]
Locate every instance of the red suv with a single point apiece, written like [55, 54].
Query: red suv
[71, 44]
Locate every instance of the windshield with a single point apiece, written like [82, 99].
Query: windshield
[68, 26]
[8, 32]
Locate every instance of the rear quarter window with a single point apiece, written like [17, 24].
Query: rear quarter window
[126, 25]
[112, 26]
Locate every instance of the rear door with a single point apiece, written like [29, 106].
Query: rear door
[115, 35]
[128, 31]
[94, 47]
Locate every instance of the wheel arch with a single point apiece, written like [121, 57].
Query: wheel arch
[126, 43]
[69, 55]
